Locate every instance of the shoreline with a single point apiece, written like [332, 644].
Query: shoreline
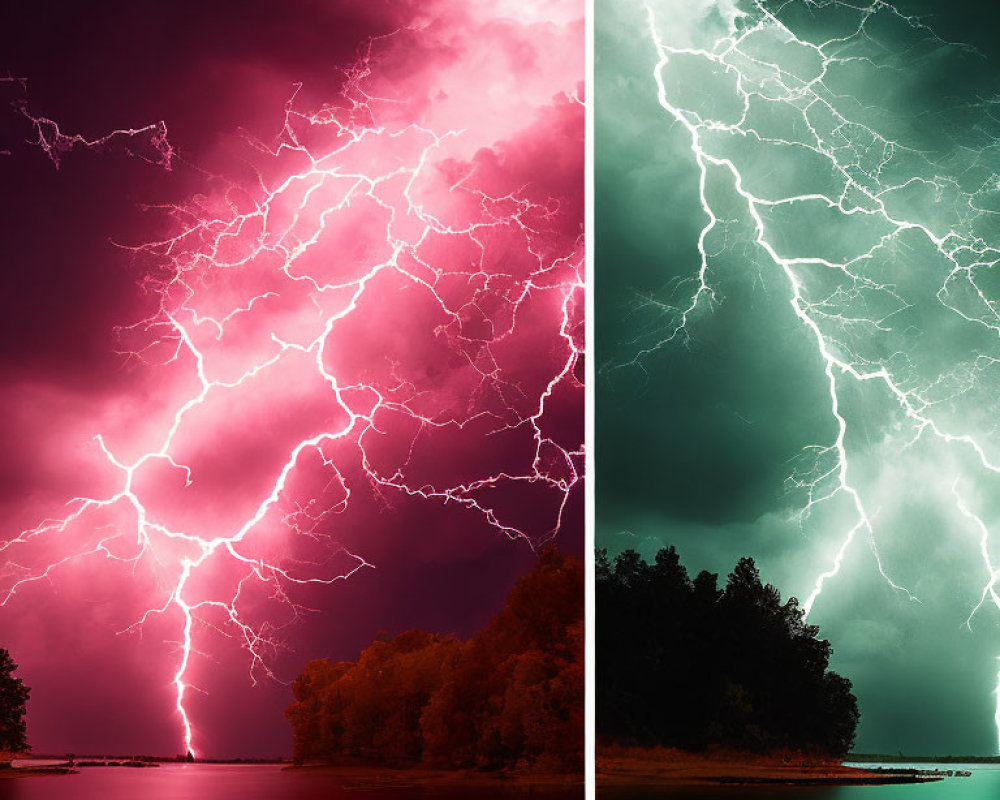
[623, 767]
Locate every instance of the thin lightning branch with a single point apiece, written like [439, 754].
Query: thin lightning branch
[56, 144]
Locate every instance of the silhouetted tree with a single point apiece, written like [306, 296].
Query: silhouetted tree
[13, 700]
[683, 664]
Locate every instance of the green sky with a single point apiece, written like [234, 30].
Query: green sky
[713, 437]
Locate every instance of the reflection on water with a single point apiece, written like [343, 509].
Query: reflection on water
[256, 782]
[709, 793]
[983, 785]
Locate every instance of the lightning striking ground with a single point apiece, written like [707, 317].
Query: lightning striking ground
[773, 130]
[367, 308]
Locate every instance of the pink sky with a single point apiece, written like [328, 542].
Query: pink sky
[346, 340]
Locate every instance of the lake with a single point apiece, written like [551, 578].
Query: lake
[983, 785]
[244, 782]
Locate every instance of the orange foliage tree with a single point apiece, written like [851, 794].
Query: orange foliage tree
[511, 697]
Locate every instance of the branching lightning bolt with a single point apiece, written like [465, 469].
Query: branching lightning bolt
[277, 230]
[766, 69]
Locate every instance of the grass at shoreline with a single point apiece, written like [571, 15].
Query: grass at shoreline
[33, 772]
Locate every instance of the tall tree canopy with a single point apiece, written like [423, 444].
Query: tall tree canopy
[509, 697]
[683, 663]
[13, 700]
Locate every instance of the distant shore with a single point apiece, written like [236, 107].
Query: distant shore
[365, 776]
[660, 766]
[899, 758]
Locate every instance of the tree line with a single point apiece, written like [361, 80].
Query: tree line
[510, 697]
[683, 663]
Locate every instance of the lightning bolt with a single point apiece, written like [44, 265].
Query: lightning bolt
[775, 94]
[262, 289]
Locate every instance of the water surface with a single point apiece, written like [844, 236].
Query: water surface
[983, 785]
[246, 782]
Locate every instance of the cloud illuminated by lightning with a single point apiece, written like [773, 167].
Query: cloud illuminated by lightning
[792, 164]
[378, 305]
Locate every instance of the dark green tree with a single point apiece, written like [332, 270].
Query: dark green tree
[13, 700]
[683, 663]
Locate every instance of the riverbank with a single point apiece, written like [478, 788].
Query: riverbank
[661, 766]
